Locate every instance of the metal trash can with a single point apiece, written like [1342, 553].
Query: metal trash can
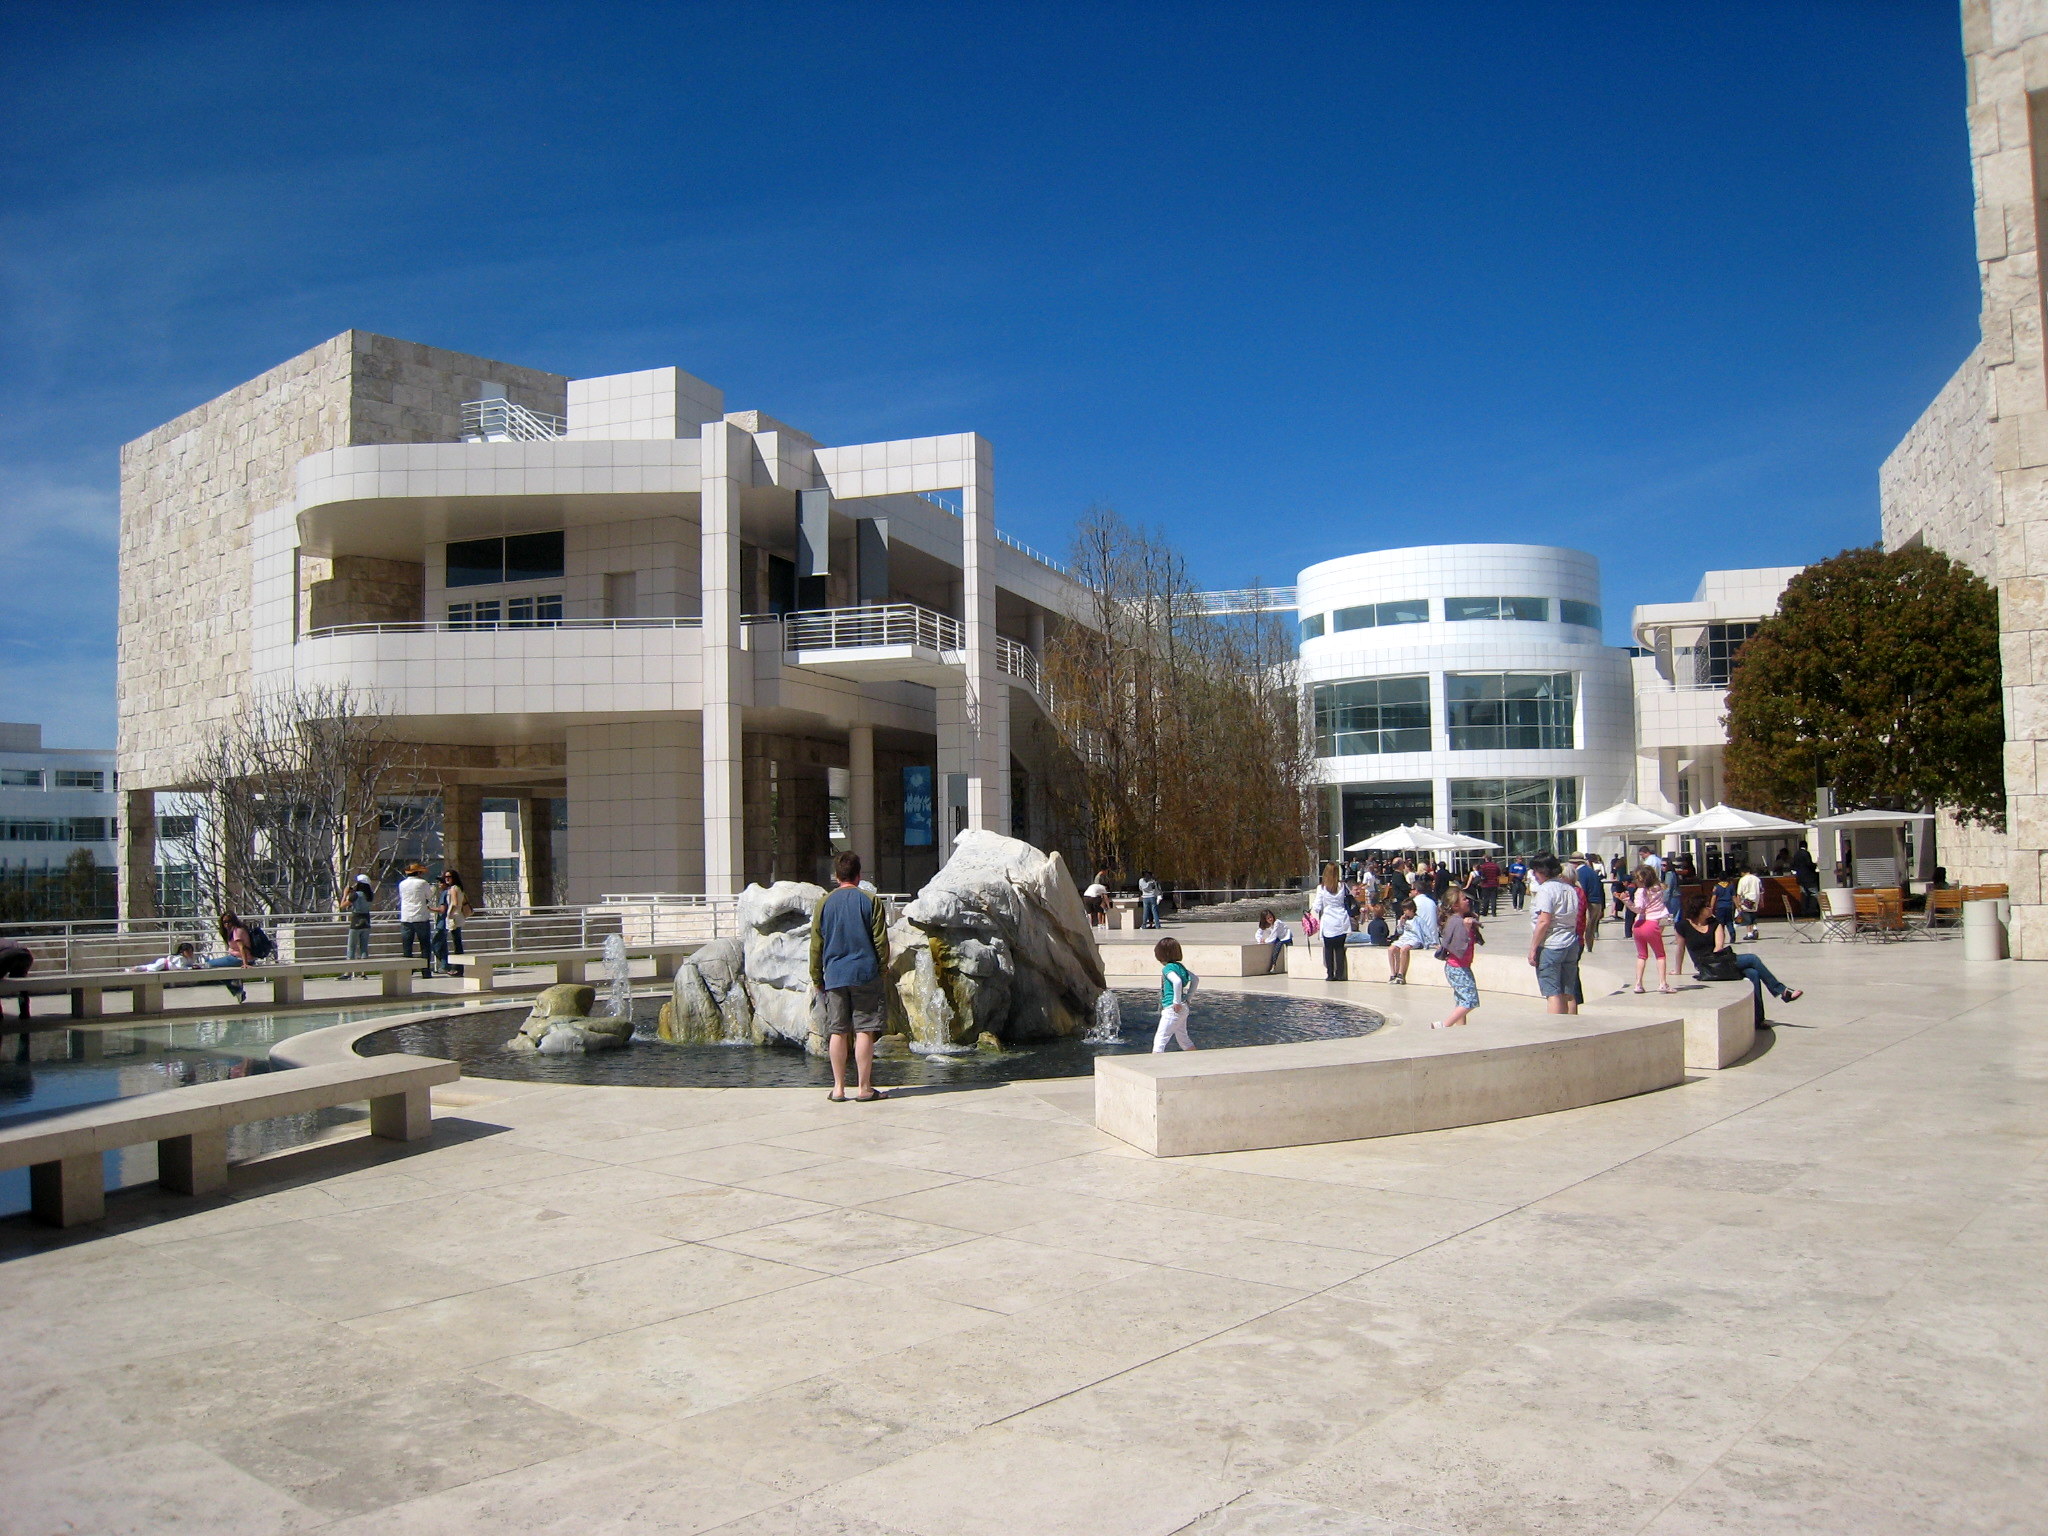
[1983, 932]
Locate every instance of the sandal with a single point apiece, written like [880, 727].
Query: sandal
[1790, 995]
[1639, 991]
[869, 1098]
[836, 1098]
[1672, 990]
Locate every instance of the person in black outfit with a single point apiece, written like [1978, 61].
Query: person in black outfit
[15, 960]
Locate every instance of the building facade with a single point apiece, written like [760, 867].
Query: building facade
[1685, 654]
[1464, 687]
[716, 647]
[54, 802]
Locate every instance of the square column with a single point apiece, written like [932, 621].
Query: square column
[987, 695]
[860, 761]
[727, 468]
[537, 849]
[138, 853]
[636, 808]
[462, 835]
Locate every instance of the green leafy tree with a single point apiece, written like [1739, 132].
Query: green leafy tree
[1878, 677]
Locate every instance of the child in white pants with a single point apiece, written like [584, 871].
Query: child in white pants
[1176, 985]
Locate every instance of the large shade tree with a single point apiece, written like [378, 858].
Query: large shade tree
[1878, 677]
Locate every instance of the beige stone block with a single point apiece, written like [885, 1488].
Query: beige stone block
[2024, 878]
[2023, 601]
[2027, 707]
[2005, 444]
[2028, 817]
[1986, 129]
[2027, 935]
[2020, 773]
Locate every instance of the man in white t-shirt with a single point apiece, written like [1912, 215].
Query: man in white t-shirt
[1554, 935]
[415, 914]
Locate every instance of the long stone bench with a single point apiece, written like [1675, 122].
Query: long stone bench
[571, 965]
[62, 1151]
[1720, 1017]
[287, 982]
[1398, 1080]
[1126, 960]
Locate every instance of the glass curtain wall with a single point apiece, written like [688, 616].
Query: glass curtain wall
[1522, 815]
[1509, 711]
[1371, 716]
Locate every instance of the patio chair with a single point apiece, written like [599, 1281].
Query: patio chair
[1837, 914]
[1880, 914]
[1944, 909]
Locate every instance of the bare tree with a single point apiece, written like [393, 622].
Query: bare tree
[1193, 760]
[291, 794]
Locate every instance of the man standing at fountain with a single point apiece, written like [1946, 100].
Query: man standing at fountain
[849, 952]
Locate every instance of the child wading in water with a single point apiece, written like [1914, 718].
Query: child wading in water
[1460, 937]
[1176, 985]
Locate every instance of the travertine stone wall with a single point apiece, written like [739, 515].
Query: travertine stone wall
[1939, 485]
[190, 489]
[361, 589]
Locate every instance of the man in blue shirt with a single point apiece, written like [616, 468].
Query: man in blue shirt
[849, 952]
[1594, 889]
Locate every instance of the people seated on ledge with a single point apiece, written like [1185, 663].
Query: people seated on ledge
[1714, 960]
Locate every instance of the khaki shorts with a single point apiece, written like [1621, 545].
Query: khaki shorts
[854, 1010]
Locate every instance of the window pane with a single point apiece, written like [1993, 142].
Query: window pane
[79, 778]
[476, 563]
[1509, 711]
[1457, 608]
[1354, 618]
[1312, 627]
[22, 778]
[1522, 815]
[1533, 610]
[1372, 716]
[1570, 611]
[1410, 611]
[534, 557]
[519, 610]
[1724, 645]
[548, 609]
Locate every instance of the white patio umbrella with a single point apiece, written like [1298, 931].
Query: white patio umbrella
[1727, 821]
[1849, 820]
[1466, 842]
[1408, 840]
[1624, 817]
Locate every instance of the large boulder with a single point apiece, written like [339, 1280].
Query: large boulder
[999, 944]
[775, 939]
[709, 1003]
[561, 1024]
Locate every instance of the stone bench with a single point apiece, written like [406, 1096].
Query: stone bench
[1128, 960]
[287, 982]
[62, 1151]
[1398, 1080]
[480, 970]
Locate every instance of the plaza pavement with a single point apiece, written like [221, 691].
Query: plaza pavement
[1806, 1294]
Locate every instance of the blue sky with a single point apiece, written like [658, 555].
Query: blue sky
[1665, 283]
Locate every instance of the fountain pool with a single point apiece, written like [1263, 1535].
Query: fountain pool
[476, 1038]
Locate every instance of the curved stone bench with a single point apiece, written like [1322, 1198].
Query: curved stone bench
[1395, 1081]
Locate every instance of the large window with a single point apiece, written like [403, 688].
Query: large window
[1522, 815]
[21, 778]
[1376, 615]
[1371, 716]
[1571, 611]
[1369, 809]
[1724, 643]
[1508, 711]
[520, 557]
[1535, 610]
[63, 829]
[1312, 627]
[507, 613]
[81, 778]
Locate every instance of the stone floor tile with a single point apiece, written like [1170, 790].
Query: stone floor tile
[177, 1486]
[702, 1211]
[985, 1205]
[1263, 1514]
[483, 1234]
[614, 1489]
[840, 1240]
[318, 1274]
[1000, 1274]
[567, 1307]
[1001, 1482]
[848, 1181]
[362, 1454]
[736, 1162]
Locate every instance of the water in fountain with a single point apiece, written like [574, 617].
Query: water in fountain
[618, 1001]
[1109, 1021]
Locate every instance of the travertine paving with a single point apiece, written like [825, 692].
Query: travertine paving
[1805, 1294]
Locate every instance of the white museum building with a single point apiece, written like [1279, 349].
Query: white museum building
[54, 801]
[716, 648]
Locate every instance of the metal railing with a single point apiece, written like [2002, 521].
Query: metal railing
[1247, 600]
[845, 629]
[500, 421]
[1026, 550]
[467, 627]
[1017, 661]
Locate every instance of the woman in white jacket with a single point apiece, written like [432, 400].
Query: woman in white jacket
[1327, 904]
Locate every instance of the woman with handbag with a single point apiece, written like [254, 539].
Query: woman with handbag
[1647, 927]
[1714, 960]
[1461, 936]
[1329, 910]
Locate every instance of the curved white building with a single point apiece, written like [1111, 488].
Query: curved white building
[1464, 686]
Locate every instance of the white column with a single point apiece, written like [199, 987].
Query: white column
[860, 760]
[987, 695]
[727, 466]
[1034, 633]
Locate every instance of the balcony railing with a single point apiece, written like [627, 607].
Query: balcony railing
[848, 629]
[470, 627]
[500, 421]
[1016, 661]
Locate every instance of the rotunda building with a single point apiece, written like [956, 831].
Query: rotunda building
[1464, 687]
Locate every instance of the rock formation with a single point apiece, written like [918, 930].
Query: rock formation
[755, 987]
[998, 943]
[561, 1023]
[709, 1005]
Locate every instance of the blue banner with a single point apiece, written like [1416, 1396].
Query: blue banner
[917, 807]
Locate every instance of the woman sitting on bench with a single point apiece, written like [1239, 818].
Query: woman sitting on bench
[1706, 940]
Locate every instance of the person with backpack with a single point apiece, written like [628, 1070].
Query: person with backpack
[1461, 937]
[357, 902]
[235, 935]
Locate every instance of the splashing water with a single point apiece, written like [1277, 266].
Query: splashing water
[618, 1001]
[1109, 1021]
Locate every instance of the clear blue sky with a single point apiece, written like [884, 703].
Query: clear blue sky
[1662, 282]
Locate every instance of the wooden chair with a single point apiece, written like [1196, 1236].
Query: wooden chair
[1837, 914]
[1881, 914]
[1944, 909]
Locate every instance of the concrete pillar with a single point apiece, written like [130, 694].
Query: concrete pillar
[727, 461]
[537, 849]
[636, 807]
[987, 695]
[138, 853]
[860, 760]
[462, 835]
[1034, 633]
